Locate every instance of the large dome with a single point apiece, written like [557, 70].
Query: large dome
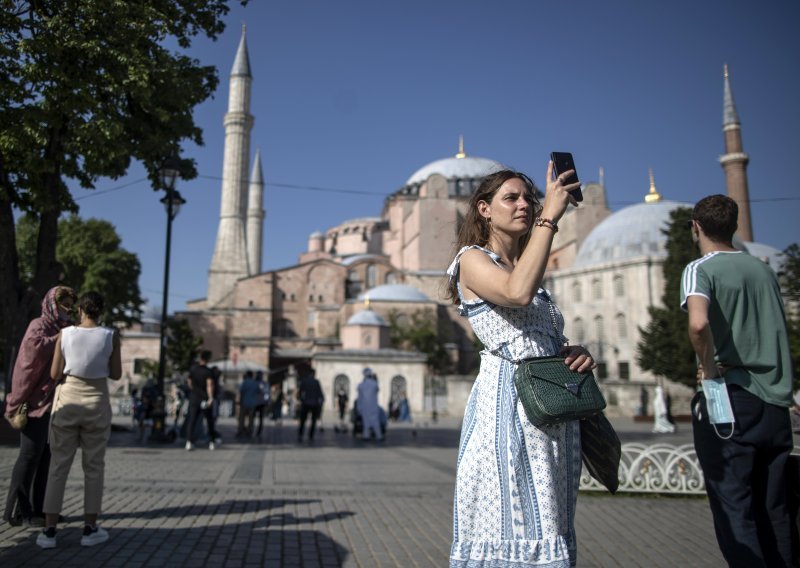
[468, 167]
[632, 232]
[394, 293]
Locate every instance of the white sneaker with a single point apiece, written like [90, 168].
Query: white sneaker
[92, 536]
[47, 538]
[211, 445]
[189, 446]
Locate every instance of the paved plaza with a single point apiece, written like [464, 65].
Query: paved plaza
[338, 502]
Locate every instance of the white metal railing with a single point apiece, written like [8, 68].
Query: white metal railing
[657, 468]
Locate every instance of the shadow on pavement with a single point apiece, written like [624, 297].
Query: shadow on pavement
[209, 545]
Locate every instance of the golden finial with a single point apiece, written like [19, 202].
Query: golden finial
[653, 196]
[366, 301]
[725, 70]
[244, 28]
[461, 153]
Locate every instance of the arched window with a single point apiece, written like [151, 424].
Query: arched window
[597, 289]
[398, 388]
[598, 328]
[353, 285]
[578, 330]
[371, 276]
[622, 326]
[577, 293]
[390, 278]
[619, 286]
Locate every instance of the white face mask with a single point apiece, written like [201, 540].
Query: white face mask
[718, 403]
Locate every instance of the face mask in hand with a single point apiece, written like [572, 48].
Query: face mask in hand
[718, 403]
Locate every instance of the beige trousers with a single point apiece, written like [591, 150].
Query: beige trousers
[81, 417]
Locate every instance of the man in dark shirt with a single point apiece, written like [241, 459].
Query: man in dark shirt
[201, 400]
[310, 396]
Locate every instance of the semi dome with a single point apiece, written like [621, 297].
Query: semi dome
[394, 293]
[632, 232]
[367, 317]
[467, 167]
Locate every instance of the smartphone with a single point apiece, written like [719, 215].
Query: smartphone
[562, 161]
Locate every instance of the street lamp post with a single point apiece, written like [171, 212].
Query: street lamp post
[172, 201]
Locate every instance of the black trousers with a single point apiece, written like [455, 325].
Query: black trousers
[746, 479]
[195, 412]
[29, 476]
[315, 412]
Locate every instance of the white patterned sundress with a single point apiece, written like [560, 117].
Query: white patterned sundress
[516, 484]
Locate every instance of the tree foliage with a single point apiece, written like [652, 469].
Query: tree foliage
[419, 332]
[86, 87]
[664, 347]
[182, 344]
[92, 259]
[789, 277]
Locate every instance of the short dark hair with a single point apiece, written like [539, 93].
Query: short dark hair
[205, 355]
[718, 216]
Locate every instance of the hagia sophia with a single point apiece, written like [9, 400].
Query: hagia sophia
[331, 311]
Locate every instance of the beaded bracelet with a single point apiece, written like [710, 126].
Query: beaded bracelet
[544, 222]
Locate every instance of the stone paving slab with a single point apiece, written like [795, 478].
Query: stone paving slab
[340, 502]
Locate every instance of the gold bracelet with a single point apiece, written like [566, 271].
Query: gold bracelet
[545, 222]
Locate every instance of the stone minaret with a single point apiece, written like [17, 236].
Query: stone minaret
[229, 262]
[255, 216]
[734, 162]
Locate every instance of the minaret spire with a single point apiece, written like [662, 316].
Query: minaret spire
[255, 216]
[461, 153]
[230, 261]
[734, 161]
[653, 196]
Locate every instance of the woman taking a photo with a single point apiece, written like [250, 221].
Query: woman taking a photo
[516, 484]
[31, 386]
[86, 355]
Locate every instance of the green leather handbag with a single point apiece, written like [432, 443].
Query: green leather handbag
[551, 393]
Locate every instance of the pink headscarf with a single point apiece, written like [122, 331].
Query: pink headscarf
[30, 381]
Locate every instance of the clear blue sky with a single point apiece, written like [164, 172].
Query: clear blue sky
[357, 95]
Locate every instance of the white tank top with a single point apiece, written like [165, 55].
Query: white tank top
[87, 351]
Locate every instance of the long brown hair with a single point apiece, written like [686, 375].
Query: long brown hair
[476, 229]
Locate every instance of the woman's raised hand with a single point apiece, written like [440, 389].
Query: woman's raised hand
[557, 196]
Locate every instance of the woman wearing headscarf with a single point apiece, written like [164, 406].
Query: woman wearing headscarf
[86, 356]
[31, 386]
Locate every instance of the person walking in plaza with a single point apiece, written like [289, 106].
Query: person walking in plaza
[516, 484]
[737, 327]
[86, 355]
[32, 388]
[367, 406]
[311, 399]
[263, 401]
[249, 398]
[341, 406]
[201, 400]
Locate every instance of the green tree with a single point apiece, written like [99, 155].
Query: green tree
[419, 332]
[789, 277]
[91, 257]
[182, 344]
[664, 347]
[87, 87]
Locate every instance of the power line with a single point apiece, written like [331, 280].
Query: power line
[98, 193]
